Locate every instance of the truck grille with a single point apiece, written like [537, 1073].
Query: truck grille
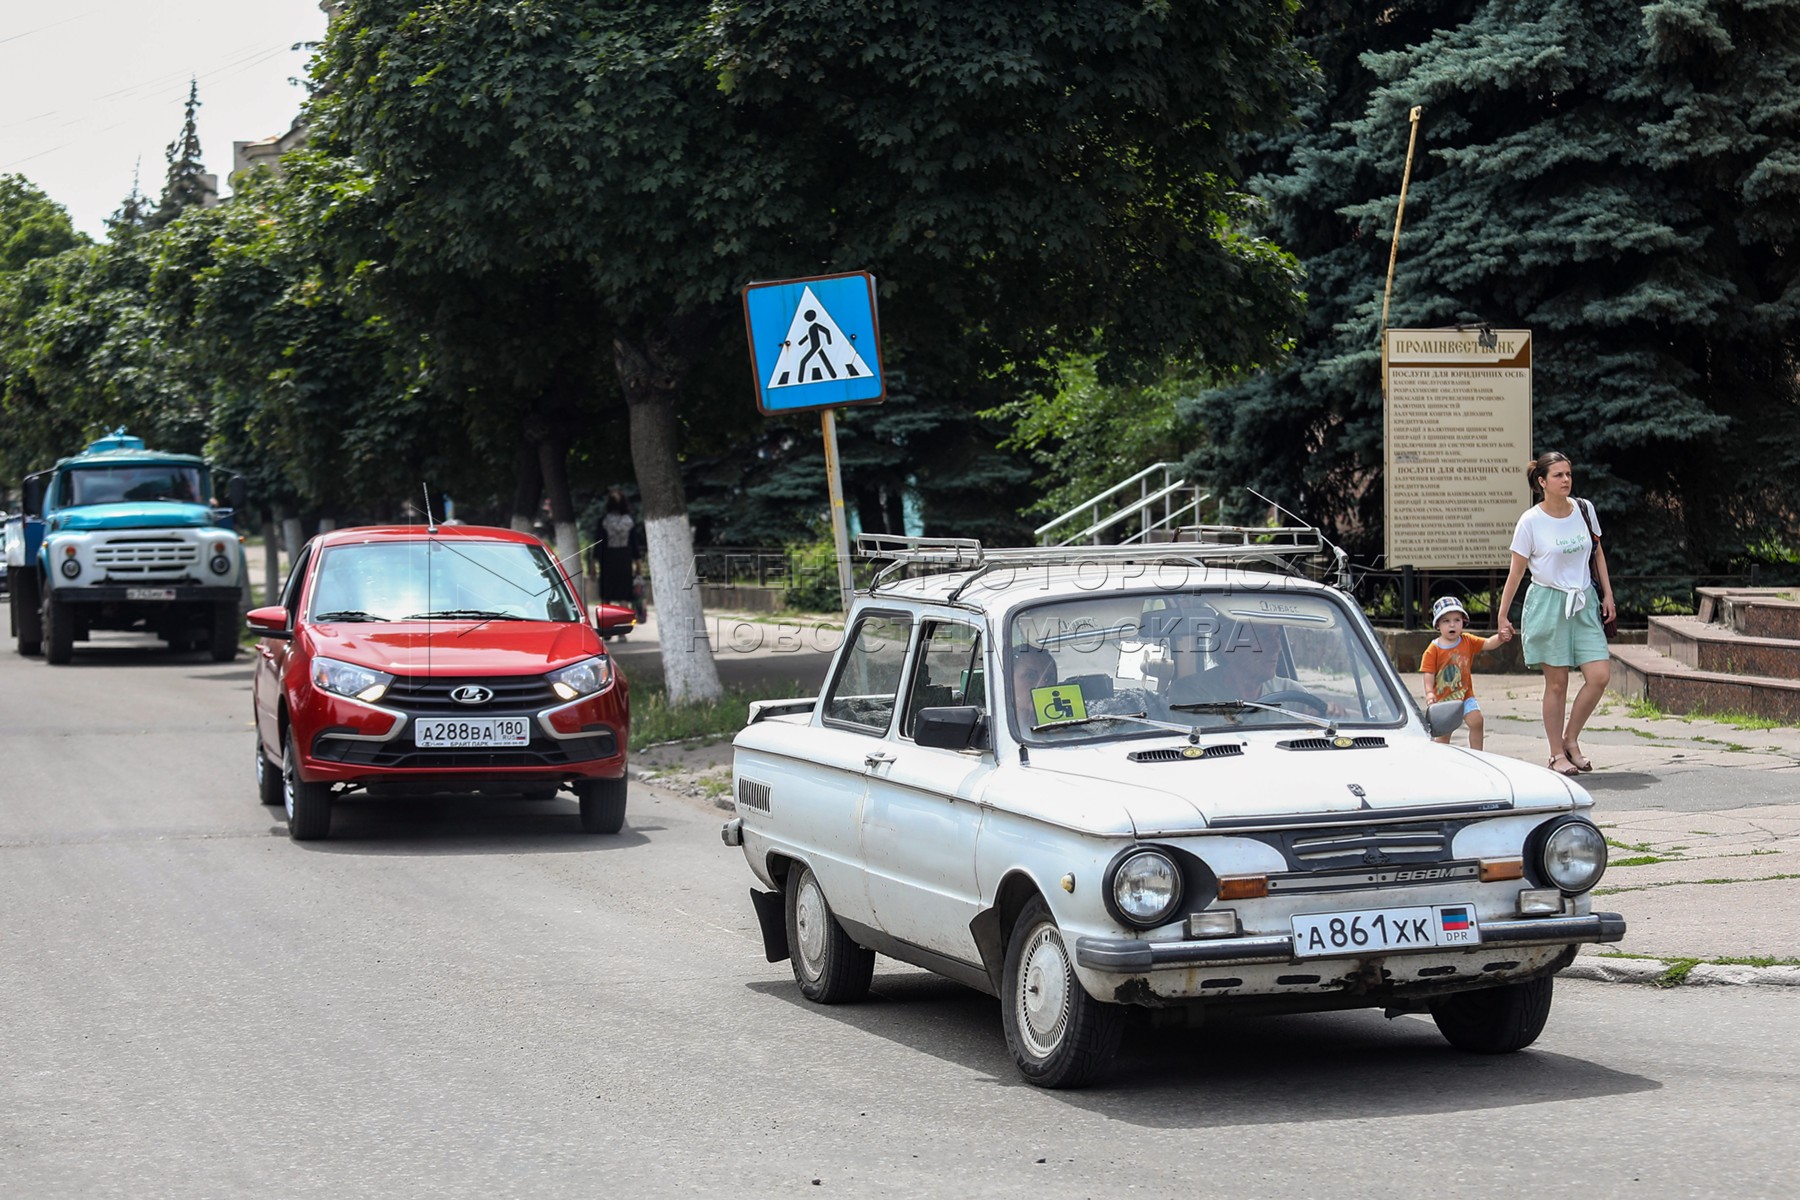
[146, 556]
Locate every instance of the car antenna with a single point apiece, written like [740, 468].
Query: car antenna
[1340, 559]
[430, 525]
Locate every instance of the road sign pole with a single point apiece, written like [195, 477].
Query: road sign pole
[840, 529]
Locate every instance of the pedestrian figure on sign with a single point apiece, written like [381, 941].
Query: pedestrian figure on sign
[815, 332]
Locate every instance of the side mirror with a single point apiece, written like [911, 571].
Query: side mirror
[270, 622]
[1444, 718]
[961, 727]
[32, 495]
[612, 620]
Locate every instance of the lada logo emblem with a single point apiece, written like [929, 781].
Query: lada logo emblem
[472, 693]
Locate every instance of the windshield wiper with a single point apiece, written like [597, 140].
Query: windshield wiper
[464, 614]
[1136, 718]
[348, 614]
[1228, 707]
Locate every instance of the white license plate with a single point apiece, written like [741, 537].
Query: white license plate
[462, 732]
[1379, 929]
[149, 593]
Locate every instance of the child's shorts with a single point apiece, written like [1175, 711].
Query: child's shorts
[1553, 640]
[1471, 705]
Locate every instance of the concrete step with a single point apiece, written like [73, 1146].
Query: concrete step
[1707, 646]
[1643, 673]
[1756, 612]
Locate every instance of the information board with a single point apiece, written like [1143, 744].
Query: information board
[1458, 436]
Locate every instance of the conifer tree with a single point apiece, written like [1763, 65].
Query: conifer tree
[1619, 178]
[187, 185]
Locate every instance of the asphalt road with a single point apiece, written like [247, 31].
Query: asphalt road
[471, 998]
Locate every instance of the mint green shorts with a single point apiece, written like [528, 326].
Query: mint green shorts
[1553, 640]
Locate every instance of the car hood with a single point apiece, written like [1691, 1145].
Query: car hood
[1411, 771]
[457, 647]
[134, 514]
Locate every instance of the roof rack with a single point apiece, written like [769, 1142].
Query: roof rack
[1201, 544]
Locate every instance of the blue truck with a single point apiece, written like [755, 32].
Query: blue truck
[121, 537]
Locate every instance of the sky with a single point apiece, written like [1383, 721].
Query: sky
[91, 90]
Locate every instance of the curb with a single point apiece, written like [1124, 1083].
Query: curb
[1654, 971]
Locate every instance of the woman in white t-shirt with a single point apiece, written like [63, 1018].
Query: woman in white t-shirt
[1563, 608]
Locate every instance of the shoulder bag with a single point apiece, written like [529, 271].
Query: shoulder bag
[1609, 624]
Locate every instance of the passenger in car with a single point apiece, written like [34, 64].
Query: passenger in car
[1032, 667]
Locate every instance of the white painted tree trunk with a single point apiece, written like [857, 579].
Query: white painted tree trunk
[292, 536]
[568, 549]
[521, 523]
[271, 564]
[688, 669]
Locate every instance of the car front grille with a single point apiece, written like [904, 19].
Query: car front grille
[1358, 846]
[429, 695]
[402, 754]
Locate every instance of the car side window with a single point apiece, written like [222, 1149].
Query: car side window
[290, 591]
[863, 696]
[948, 672]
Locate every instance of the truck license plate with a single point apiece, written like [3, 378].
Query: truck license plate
[1372, 930]
[464, 732]
[149, 593]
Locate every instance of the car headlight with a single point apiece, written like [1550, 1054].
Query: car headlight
[584, 678]
[348, 679]
[1573, 856]
[1145, 888]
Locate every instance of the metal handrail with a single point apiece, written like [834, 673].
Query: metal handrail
[1094, 501]
[1131, 510]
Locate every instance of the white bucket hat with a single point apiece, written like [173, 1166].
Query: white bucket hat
[1444, 607]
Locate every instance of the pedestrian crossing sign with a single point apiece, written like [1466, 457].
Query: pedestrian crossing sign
[814, 343]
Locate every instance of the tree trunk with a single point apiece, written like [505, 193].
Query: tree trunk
[528, 485]
[553, 457]
[271, 560]
[652, 370]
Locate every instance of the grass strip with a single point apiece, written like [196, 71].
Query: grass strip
[654, 720]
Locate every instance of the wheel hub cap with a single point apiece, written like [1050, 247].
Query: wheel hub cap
[809, 922]
[1043, 1000]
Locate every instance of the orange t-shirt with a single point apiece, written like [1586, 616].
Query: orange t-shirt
[1452, 670]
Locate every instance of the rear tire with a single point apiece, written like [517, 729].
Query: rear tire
[59, 630]
[602, 805]
[28, 621]
[308, 804]
[828, 966]
[226, 621]
[1497, 1020]
[1060, 1036]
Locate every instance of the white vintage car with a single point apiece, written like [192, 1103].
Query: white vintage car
[1152, 776]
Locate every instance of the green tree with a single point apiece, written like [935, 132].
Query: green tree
[1010, 175]
[35, 236]
[187, 185]
[1619, 178]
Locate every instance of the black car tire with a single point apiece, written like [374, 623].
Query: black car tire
[1060, 1036]
[308, 804]
[59, 630]
[269, 786]
[1496, 1020]
[829, 967]
[602, 805]
[28, 621]
[226, 622]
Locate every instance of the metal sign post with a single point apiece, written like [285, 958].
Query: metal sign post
[815, 343]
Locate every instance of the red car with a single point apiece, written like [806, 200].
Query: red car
[416, 659]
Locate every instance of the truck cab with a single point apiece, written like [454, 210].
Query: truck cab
[121, 537]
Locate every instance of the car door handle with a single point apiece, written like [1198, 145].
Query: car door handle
[876, 758]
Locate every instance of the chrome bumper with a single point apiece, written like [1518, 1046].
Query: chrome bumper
[1131, 954]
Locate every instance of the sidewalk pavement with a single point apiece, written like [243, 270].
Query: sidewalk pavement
[1703, 816]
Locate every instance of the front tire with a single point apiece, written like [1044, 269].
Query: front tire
[1497, 1020]
[225, 626]
[59, 630]
[1059, 1035]
[828, 966]
[269, 785]
[308, 804]
[602, 805]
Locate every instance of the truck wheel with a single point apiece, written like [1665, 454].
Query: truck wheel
[59, 630]
[602, 805]
[28, 620]
[225, 625]
[1059, 1035]
[308, 804]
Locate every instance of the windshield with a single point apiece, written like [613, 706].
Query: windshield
[150, 481]
[1078, 670]
[441, 580]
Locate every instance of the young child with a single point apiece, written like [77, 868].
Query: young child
[1449, 664]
